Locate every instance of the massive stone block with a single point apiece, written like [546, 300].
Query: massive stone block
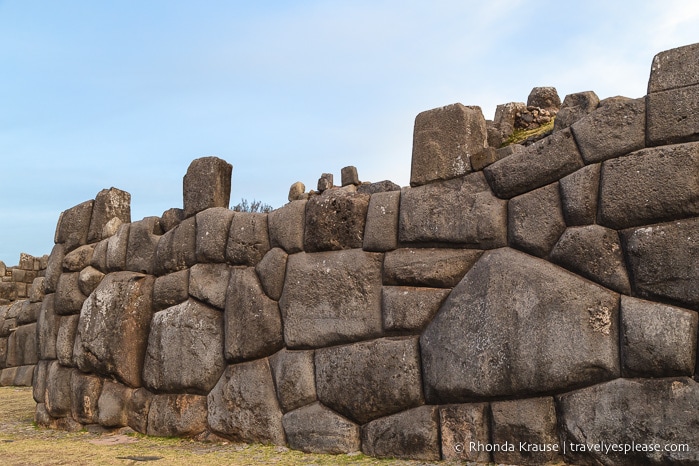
[213, 226]
[672, 116]
[54, 268]
[206, 184]
[111, 205]
[535, 220]
[208, 283]
[364, 381]
[117, 246]
[79, 258]
[271, 271]
[22, 347]
[381, 229]
[58, 398]
[444, 139]
[317, 429]
[113, 327]
[286, 226]
[248, 240]
[171, 289]
[73, 226]
[411, 434]
[510, 312]
[461, 425]
[335, 220]
[177, 248]
[142, 244]
[331, 298]
[47, 329]
[176, 415]
[138, 409]
[88, 279]
[462, 211]
[579, 192]
[68, 298]
[438, 268]
[408, 308]
[65, 339]
[294, 378]
[85, 390]
[674, 68]
[112, 404]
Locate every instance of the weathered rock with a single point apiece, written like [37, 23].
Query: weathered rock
[65, 339]
[171, 289]
[412, 434]
[47, 328]
[364, 381]
[7, 376]
[112, 404]
[271, 271]
[208, 283]
[143, 241]
[41, 372]
[544, 97]
[138, 408]
[381, 229]
[68, 298]
[58, 390]
[535, 220]
[540, 164]
[595, 253]
[176, 415]
[349, 176]
[579, 192]
[88, 279]
[438, 268]
[185, 349]
[487, 156]
[213, 226]
[296, 191]
[672, 116]
[117, 245]
[79, 258]
[377, 187]
[574, 107]
[465, 428]
[294, 378]
[206, 184]
[331, 298]
[73, 226]
[109, 204]
[29, 312]
[657, 340]
[504, 120]
[177, 248]
[427, 214]
[171, 218]
[243, 407]
[407, 308]
[24, 376]
[674, 68]
[325, 182]
[317, 429]
[335, 221]
[99, 255]
[662, 261]
[22, 347]
[85, 391]
[253, 326]
[248, 240]
[632, 412]
[510, 312]
[3, 351]
[286, 226]
[113, 327]
[36, 293]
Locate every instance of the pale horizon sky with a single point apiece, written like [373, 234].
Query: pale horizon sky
[127, 94]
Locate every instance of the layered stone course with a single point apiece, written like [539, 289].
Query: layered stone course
[539, 297]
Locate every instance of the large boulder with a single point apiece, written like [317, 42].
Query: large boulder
[317, 429]
[411, 434]
[213, 226]
[381, 230]
[172, 415]
[335, 220]
[206, 184]
[85, 390]
[142, 244]
[465, 432]
[177, 248]
[271, 271]
[433, 267]
[248, 239]
[286, 226]
[170, 289]
[208, 283]
[294, 378]
[535, 220]
[579, 192]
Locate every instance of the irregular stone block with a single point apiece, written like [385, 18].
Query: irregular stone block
[138, 408]
[296, 191]
[486, 157]
[177, 415]
[143, 241]
[542, 163]
[73, 226]
[112, 404]
[574, 107]
[206, 184]
[465, 428]
[444, 139]
[41, 372]
[673, 116]
[171, 289]
[412, 434]
[36, 295]
[438, 268]
[509, 313]
[65, 339]
[7, 376]
[294, 378]
[3, 352]
[248, 240]
[657, 340]
[47, 329]
[530, 425]
[243, 407]
[593, 252]
[381, 229]
[185, 349]
[335, 221]
[331, 298]
[409, 309]
[110, 204]
[349, 176]
[678, 67]
[88, 279]
[544, 97]
[632, 411]
[427, 214]
[535, 220]
[117, 245]
[253, 325]
[208, 283]
[286, 226]
[213, 226]
[378, 187]
[58, 390]
[22, 347]
[579, 192]
[85, 391]
[99, 255]
[325, 182]
[24, 376]
[113, 327]
[367, 380]
[271, 271]
[504, 121]
[29, 312]
[317, 429]
[171, 218]
[68, 298]
[662, 261]
[650, 186]
[177, 248]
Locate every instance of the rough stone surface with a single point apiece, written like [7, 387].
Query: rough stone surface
[412, 434]
[296, 191]
[112, 404]
[88, 279]
[177, 415]
[206, 184]
[367, 380]
[544, 97]
[41, 372]
[331, 298]
[99, 255]
[117, 245]
[185, 349]
[286, 226]
[85, 391]
[535, 220]
[579, 192]
[510, 312]
[410, 309]
[674, 68]
[68, 298]
[65, 339]
[54, 268]
[377, 187]
[349, 176]
[325, 182]
[462, 424]
[47, 329]
[79, 258]
[593, 252]
[335, 221]
[36, 294]
[248, 239]
[438, 268]
[143, 242]
[294, 378]
[317, 429]
[73, 225]
[171, 289]
[171, 218]
[208, 283]
[243, 406]
[657, 340]
[574, 107]
[673, 116]
[212, 226]
[109, 204]
[58, 390]
[381, 229]
[428, 213]
[177, 248]
[138, 408]
[22, 347]
[29, 312]
[271, 271]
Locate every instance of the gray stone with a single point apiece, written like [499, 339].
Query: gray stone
[29, 312]
[331, 298]
[36, 294]
[109, 204]
[79, 258]
[657, 340]
[171, 289]
[213, 226]
[579, 192]
[544, 97]
[113, 327]
[3, 352]
[185, 349]
[530, 425]
[143, 241]
[138, 408]
[349, 176]
[535, 220]
[504, 120]
[516, 326]
[65, 339]
[22, 347]
[438, 268]
[117, 245]
[463, 427]
[673, 116]
[177, 248]
[24, 376]
[381, 228]
[85, 390]
[428, 213]
[296, 191]
[410, 309]
[73, 226]
[253, 326]
[487, 156]
[206, 184]
[540, 164]
[593, 252]
[271, 271]
[294, 378]
[632, 411]
[99, 255]
[7, 376]
[650, 186]
[47, 328]
[317, 429]
[69, 299]
[662, 261]
[412, 434]
[88, 279]
[243, 407]
[171, 218]
[112, 404]
[208, 283]
[335, 221]
[58, 390]
[678, 67]
[177, 415]
[41, 372]
[614, 129]
[286, 226]
[367, 380]
[378, 187]
[325, 182]
[574, 107]
[54, 268]
[248, 239]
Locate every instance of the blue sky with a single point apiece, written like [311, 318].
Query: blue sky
[126, 94]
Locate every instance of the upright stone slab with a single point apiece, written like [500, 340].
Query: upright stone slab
[381, 229]
[177, 248]
[271, 271]
[73, 226]
[294, 378]
[206, 184]
[109, 204]
[142, 244]
[85, 390]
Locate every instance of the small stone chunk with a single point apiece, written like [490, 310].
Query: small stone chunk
[325, 182]
[349, 176]
[171, 218]
[206, 184]
[296, 191]
[111, 206]
[545, 98]
[574, 107]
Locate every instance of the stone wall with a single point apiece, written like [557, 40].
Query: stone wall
[510, 305]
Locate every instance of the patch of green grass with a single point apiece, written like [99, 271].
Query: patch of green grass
[521, 135]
